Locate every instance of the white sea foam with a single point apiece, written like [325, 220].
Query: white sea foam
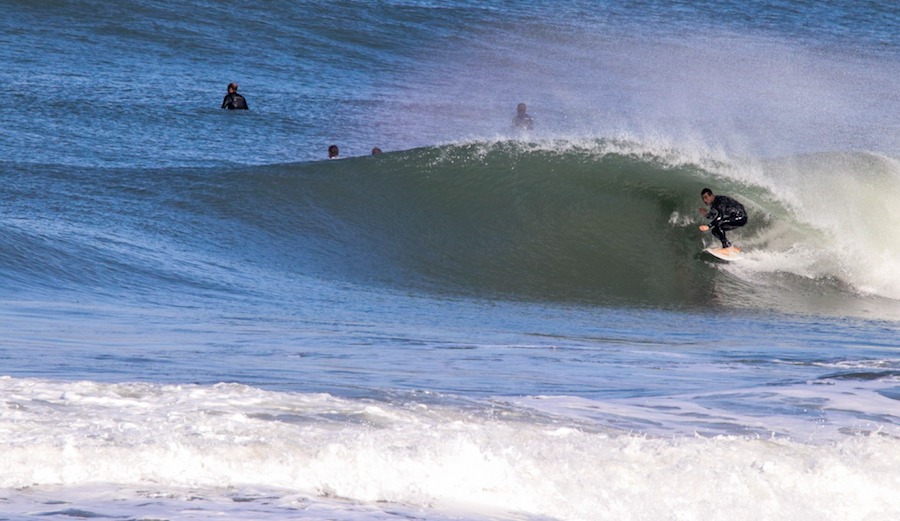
[205, 447]
[839, 219]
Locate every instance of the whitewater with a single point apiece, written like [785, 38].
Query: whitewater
[203, 317]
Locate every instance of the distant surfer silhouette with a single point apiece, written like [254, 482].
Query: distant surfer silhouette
[233, 100]
[724, 214]
[522, 121]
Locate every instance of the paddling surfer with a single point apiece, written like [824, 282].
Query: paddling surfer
[724, 214]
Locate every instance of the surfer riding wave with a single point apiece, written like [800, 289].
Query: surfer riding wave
[724, 214]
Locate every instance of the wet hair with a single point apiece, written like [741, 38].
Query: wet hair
[705, 191]
[333, 151]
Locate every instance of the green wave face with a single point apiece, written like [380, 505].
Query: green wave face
[600, 222]
[604, 222]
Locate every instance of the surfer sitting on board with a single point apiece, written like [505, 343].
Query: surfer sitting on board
[724, 214]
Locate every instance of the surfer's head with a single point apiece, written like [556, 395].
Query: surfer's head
[707, 195]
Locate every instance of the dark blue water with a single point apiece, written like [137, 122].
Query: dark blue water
[202, 316]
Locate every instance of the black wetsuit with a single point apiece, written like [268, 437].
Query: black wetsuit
[725, 214]
[234, 100]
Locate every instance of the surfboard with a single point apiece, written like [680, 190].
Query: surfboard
[726, 254]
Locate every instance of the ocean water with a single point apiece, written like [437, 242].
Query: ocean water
[201, 317]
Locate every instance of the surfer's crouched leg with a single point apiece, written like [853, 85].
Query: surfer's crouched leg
[729, 223]
[719, 233]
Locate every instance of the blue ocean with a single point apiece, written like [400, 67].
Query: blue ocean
[203, 317]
